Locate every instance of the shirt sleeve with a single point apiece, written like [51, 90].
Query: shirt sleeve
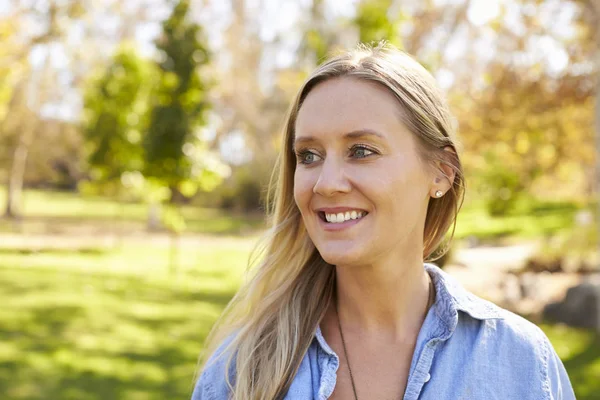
[558, 379]
[198, 389]
[212, 383]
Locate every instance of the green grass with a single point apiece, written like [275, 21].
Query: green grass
[579, 350]
[110, 325]
[56, 212]
[101, 322]
[118, 325]
[531, 219]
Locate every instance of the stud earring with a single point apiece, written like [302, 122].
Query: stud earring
[439, 193]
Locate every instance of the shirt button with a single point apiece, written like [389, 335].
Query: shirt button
[427, 377]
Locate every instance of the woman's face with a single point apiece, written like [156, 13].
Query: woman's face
[354, 155]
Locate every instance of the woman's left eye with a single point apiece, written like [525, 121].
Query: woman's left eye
[361, 151]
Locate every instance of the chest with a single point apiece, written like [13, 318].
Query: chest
[379, 372]
[440, 372]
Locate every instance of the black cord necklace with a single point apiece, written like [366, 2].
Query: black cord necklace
[429, 304]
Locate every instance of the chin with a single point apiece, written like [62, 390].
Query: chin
[339, 257]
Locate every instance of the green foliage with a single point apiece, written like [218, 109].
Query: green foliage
[180, 103]
[173, 219]
[527, 135]
[143, 121]
[116, 107]
[375, 23]
[501, 185]
[316, 44]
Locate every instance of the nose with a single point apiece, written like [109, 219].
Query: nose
[332, 179]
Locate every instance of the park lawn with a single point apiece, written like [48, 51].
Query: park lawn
[531, 219]
[49, 211]
[120, 325]
[115, 325]
[580, 351]
[59, 212]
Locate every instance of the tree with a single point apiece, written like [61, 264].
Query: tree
[116, 117]
[375, 23]
[173, 147]
[175, 153]
[33, 89]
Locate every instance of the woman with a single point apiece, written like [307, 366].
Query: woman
[342, 305]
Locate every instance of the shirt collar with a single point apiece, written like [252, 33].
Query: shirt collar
[452, 297]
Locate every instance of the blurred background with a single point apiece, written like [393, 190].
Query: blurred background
[137, 137]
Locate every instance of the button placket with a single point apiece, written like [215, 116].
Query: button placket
[421, 374]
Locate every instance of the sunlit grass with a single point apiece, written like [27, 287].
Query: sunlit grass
[43, 209]
[113, 320]
[532, 219]
[119, 325]
[580, 351]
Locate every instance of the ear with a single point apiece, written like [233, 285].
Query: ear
[443, 176]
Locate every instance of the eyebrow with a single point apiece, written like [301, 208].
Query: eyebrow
[357, 134]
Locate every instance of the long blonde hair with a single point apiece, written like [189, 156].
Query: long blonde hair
[274, 316]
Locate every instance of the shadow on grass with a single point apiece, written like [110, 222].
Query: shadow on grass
[86, 250]
[584, 370]
[579, 350]
[221, 223]
[70, 335]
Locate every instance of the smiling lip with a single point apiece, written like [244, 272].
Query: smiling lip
[335, 210]
[332, 227]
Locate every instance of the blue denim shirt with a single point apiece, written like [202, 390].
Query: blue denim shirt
[467, 348]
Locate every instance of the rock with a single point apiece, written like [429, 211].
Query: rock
[581, 307]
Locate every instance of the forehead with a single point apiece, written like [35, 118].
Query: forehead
[347, 104]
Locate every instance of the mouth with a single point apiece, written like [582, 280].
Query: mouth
[342, 218]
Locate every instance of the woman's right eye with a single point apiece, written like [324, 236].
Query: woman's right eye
[307, 157]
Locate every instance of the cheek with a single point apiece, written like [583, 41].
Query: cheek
[400, 192]
[302, 190]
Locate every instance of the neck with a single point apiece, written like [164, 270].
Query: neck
[385, 299]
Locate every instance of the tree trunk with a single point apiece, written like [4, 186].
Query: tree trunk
[34, 89]
[17, 171]
[174, 253]
[154, 211]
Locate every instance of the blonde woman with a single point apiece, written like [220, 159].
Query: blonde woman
[343, 303]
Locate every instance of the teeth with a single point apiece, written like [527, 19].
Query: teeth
[342, 217]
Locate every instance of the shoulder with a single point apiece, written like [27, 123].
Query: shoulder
[495, 343]
[212, 383]
[519, 349]
[513, 334]
[462, 311]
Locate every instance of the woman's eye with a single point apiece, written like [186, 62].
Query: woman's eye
[361, 152]
[307, 157]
